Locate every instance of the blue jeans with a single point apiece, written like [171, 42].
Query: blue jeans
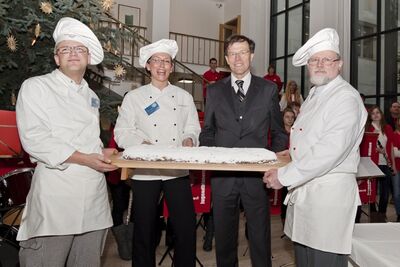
[396, 192]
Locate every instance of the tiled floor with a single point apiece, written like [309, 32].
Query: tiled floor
[281, 248]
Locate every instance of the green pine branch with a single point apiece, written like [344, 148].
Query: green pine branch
[19, 19]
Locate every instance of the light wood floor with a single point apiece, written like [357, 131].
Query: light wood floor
[282, 250]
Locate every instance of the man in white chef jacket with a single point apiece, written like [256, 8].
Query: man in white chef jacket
[67, 210]
[321, 178]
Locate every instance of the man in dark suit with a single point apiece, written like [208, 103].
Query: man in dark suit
[241, 110]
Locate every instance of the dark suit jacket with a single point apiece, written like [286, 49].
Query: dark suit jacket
[226, 126]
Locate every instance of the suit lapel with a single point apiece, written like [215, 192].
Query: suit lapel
[229, 95]
[251, 95]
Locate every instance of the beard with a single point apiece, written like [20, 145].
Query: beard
[319, 80]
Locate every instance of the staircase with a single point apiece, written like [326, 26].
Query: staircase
[124, 47]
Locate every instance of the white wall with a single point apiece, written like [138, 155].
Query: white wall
[142, 4]
[161, 14]
[334, 14]
[232, 9]
[253, 25]
[196, 17]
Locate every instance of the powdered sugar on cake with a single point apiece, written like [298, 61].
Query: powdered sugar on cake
[199, 154]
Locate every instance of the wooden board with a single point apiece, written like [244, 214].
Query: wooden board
[134, 164]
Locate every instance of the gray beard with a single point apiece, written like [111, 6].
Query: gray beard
[319, 80]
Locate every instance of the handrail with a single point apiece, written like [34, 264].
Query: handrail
[196, 49]
[129, 39]
[196, 36]
[144, 41]
[200, 77]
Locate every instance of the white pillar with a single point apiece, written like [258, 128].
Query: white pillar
[337, 15]
[255, 25]
[158, 19]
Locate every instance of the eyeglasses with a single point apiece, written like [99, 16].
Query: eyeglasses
[69, 49]
[324, 61]
[159, 61]
[240, 53]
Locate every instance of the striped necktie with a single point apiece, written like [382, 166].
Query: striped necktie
[240, 92]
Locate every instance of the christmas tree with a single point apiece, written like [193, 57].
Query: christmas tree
[26, 43]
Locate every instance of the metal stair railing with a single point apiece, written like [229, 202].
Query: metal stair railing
[130, 37]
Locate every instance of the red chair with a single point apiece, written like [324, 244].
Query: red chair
[367, 188]
[10, 145]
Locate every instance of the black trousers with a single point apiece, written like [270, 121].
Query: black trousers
[226, 220]
[178, 196]
[120, 201]
[309, 257]
[385, 186]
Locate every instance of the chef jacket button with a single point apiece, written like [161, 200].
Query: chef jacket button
[174, 124]
[301, 129]
[294, 148]
[174, 108]
[173, 96]
[173, 139]
[292, 128]
[151, 97]
[156, 140]
[155, 125]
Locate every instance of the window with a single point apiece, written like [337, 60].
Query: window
[289, 30]
[375, 50]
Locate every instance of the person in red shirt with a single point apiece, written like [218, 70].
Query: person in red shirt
[210, 76]
[376, 123]
[396, 178]
[273, 77]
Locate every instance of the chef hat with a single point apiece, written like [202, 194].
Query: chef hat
[162, 46]
[74, 30]
[326, 39]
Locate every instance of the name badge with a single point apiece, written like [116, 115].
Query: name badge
[152, 108]
[95, 102]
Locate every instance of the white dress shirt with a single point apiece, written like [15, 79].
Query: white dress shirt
[246, 82]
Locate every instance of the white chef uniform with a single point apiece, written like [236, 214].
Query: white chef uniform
[324, 142]
[324, 146]
[56, 117]
[173, 119]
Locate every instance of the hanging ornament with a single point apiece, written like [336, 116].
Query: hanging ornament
[107, 4]
[46, 7]
[12, 43]
[13, 98]
[108, 46]
[119, 71]
[37, 30]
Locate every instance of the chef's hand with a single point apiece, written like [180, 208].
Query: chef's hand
[108, 152]
[284, 153]
[98, 162]
[271, 179]
[188, 142]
